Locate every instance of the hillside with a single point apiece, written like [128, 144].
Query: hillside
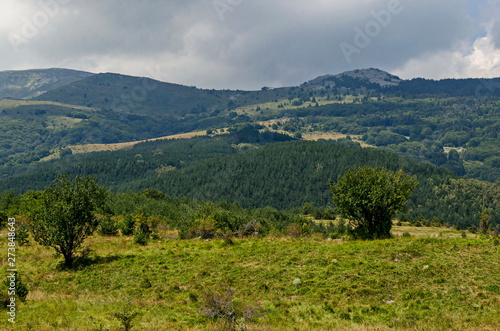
[285, 284]
[26, 84]
[450, 123]
[144, 96]
[257, 172]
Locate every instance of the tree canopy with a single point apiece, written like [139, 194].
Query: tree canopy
[371, 197]
[67, 214]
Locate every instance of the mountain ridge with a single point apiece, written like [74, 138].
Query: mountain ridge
[34, 83]
[25, 84]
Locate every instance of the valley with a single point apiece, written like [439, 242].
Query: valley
[214, 209]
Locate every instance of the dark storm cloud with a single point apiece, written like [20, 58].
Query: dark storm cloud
[230, 43]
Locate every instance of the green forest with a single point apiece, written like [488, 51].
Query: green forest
[257, 169]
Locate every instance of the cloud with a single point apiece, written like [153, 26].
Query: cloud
[248, 43]
[483, 61]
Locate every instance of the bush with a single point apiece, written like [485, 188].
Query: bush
[143, 234]
[472, 229]
[20, 288]
[141, 238]
[126, 318]
[370, 198]
[294, 231]
[108, 227]
[127, 226]
[221, 306]
[3, 220]
[22, 234]
[204, 229]
[250, 229]
[228, 238]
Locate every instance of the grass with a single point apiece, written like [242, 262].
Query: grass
[287, 104]
[11, 103]
[88, 148]
[79, 149]
[398, 284]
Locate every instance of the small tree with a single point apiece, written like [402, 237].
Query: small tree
[127, 226]
[370, 198]
[67, 214]
[484, 222]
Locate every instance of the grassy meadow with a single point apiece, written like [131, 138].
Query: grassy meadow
[272, 283]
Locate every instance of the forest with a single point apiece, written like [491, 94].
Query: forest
[257, 169]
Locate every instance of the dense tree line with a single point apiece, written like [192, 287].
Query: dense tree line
[281, 175]
[426, 129]
[287, 175]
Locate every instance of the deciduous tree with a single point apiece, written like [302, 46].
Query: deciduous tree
[67, 214]
[370, 197]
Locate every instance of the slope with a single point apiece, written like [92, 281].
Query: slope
[144, 96]
[31, 83]
[283, 175]
[287, 175]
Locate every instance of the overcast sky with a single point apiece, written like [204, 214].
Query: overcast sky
[247, 44]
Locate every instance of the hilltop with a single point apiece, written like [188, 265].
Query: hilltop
[25, 84]
[367, 77]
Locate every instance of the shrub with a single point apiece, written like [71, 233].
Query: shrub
[127, 226]
[294, 231]
[484, 222]
[126, 319]
[20, 288]
[250, 229]
[228, 238]
[142, 234]
[141, 238]
[3, 220]
[67, 214]
[22, 234]
[370, 198]
[108, 227]
[204, 229]
[472, 229]
[220, 305]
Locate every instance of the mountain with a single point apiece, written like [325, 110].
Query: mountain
[451, 123]
[361, 77]
[31, 83]
[144, 96]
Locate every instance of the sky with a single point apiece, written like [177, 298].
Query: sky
[248, 44]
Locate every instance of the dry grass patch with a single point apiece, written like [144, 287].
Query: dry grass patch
[80, 149]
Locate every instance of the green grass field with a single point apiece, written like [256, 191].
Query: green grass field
[287, 104]
[8, 103]
[293, 284]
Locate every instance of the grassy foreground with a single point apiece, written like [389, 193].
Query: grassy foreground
[293, 284]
